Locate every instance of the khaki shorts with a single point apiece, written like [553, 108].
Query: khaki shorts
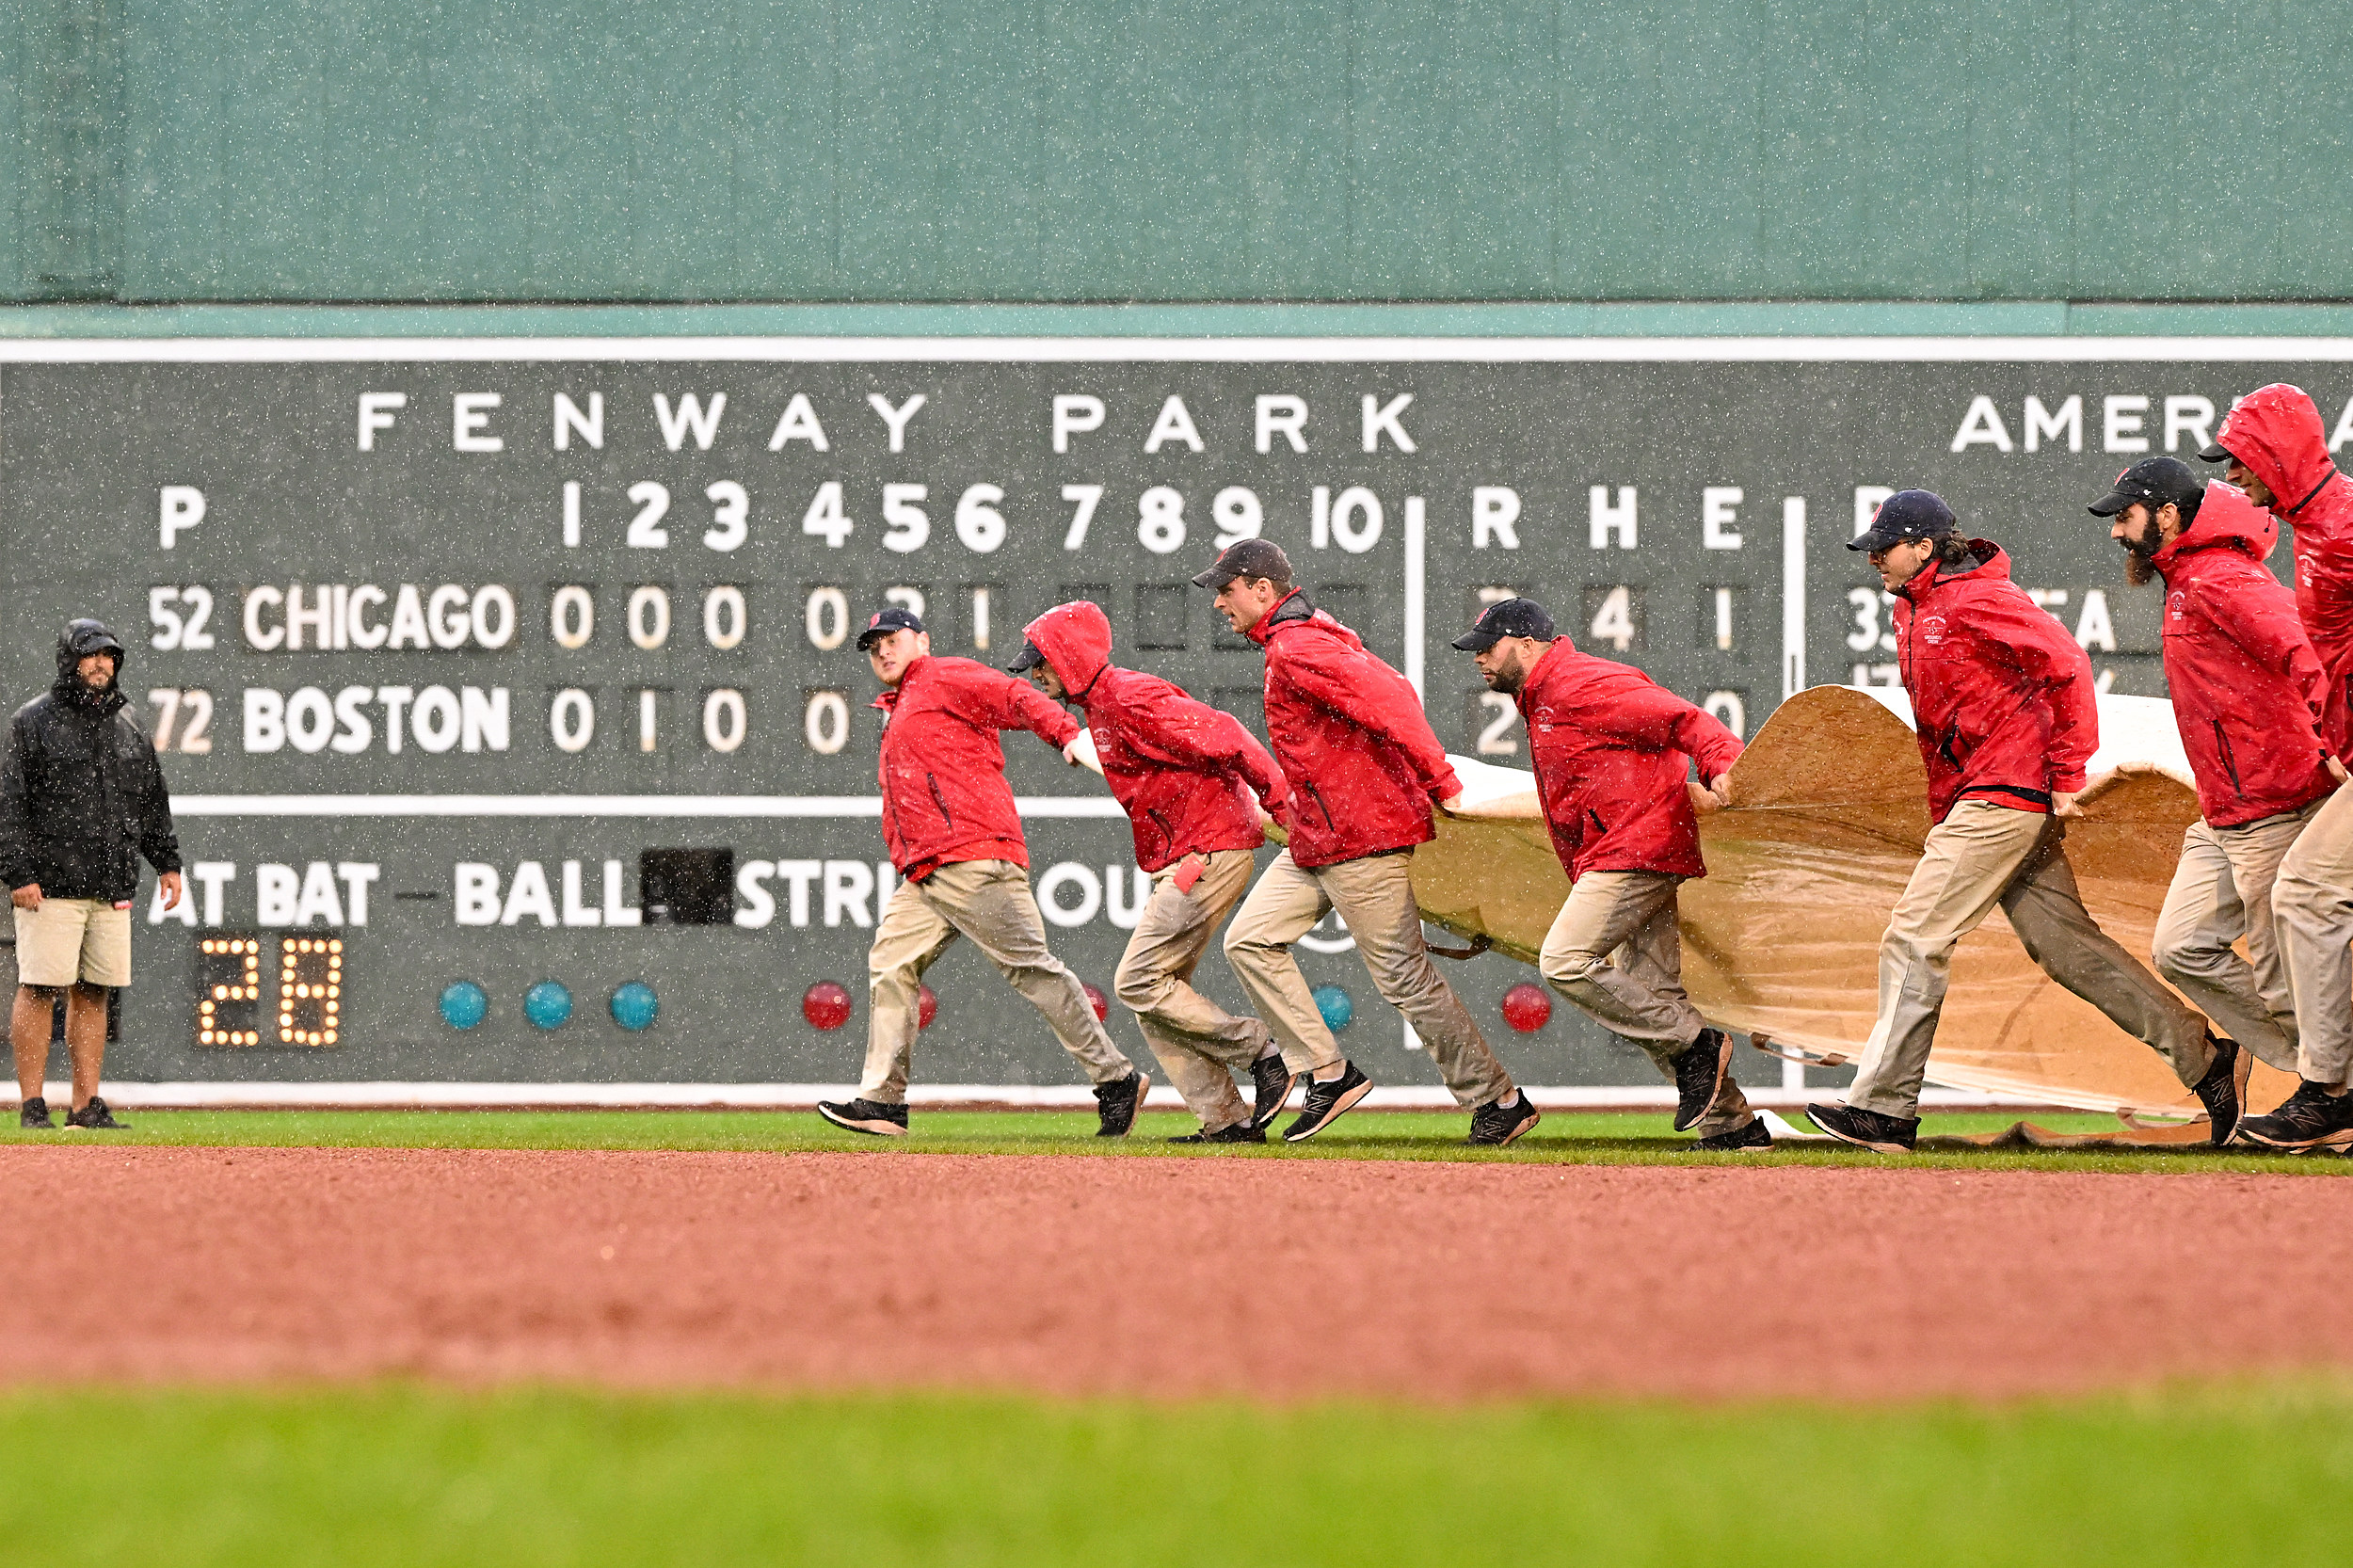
[68, 939]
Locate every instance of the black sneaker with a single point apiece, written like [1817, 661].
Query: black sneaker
[1117, 1104]
[1270, 1081]
[2311, 1118]
[865, 1115]
[94, 1116]
[1495, 1123]
[1239, 1133]
[1327, 1103]
[1698, 1073]
[1866, 1129]
[1751, 1134]
[33, 1115]
[2223, 1090]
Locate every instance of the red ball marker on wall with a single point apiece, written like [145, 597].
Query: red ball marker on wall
[825, 1005]
[1526, 1008]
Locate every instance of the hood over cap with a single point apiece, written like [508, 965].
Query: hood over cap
[78, 641]
[2277, 432]
[1076, 640]
[2226, 519]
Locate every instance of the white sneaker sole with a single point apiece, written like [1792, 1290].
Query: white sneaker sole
[1854, 1142]
[2341, 1139]
[1342, 1107]
[876, 1130]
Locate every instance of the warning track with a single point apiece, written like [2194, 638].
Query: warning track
[1156, 1278]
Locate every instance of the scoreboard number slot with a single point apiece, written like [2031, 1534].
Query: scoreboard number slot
[183, 719]
[230, 1006]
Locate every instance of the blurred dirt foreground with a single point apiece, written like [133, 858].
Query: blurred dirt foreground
[1156, 1278]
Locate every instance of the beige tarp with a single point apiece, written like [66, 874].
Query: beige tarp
[1780, 939]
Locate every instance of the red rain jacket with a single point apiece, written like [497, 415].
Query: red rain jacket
[1348, 731]
[2247, 686]
[2001, 696]
[2277, 432]
[1611, 749]
[943, 773]
[1189, 777]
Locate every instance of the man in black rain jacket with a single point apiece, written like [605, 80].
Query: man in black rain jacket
[82, 798]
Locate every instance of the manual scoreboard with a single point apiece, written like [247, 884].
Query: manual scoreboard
[508, 690]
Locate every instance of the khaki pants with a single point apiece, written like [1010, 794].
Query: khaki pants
[1375, 896]
[1198, 1043]
[2312, 905]
[1615, 952]
[988, 901]
[1980, 855]
[2222, 892]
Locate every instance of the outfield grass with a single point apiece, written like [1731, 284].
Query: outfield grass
[415, 1477]
[1589, 1138]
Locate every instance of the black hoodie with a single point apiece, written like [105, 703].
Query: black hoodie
[81, 795]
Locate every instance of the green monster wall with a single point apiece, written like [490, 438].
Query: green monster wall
[995, 150]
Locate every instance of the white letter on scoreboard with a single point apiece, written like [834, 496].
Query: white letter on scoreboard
[182, 509]
[1495, 516]
[477, 893]
[469, 416]
[1075, 413]
[376, 413]
[1606, 519]
[1719, 511]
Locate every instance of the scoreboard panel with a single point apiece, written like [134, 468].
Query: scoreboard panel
[508, 692]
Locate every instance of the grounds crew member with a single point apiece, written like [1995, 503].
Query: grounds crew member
[2276, 451]
[1363, 769]
[2312, 903]
[1192, 779]
[2003, 704]
[1612, 753]
[82, 799]
[2248, 693]
[2273, 442]
[948, 816]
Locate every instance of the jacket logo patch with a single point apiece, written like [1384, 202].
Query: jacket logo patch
[1933, 628]
[2177, 606]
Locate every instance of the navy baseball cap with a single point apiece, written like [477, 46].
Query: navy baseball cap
[886, 621]
[1907, 515]
[1029, 659]
[2218, 453]
[1510, 617]
[1257, 559]
[2151, 482]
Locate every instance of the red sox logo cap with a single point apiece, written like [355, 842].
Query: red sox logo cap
[884, 622]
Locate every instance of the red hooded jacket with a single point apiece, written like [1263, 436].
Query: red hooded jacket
[2277, 432]
[2001, 696]
[943, 773]
[2247, 686]
[1348, 731]
[1190, 777]
[1611, 749]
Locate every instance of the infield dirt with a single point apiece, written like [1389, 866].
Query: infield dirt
[1159, 1277]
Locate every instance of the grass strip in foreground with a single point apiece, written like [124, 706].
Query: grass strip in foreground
[1587, 1138]
[417, 1477]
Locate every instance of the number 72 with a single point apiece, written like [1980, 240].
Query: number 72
[171, 705]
